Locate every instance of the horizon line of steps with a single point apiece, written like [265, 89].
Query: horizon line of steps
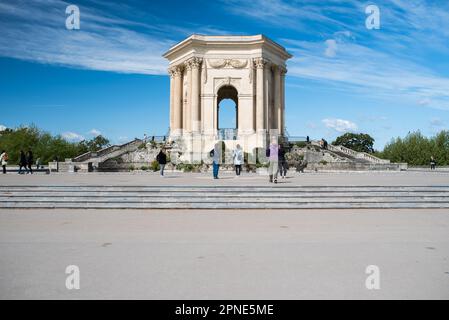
[223, 197]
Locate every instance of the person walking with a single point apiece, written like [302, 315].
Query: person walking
[237, 156]
[4, 160]
[30, 161]
[161, 158]
[273, 157]
[22, 162]
[433, 163]
[216, 159]
[282, 161]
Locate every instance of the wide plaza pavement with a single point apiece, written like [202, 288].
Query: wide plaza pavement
[225, 254]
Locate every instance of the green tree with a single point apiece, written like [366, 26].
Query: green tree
[416, 149]
[97, 143]
[360, 142]
[44, 145]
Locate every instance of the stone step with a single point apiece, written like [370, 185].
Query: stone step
[218, 199]
[225, 189]
[250, 194]
[223, 197]
[227, 205]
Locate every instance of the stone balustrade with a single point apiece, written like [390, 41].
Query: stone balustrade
[353, 154]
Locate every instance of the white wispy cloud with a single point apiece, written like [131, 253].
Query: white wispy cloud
[95, 132]
[72, 136]
[370, 71]
[35, 30]
[331, 48]
[294, 15]
[374, 63]
[340, 125]
[3, 128]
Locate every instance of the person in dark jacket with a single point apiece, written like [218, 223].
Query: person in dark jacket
[22, 162]
[433, 163]
[162, 160]
[30, 160]
[282, 161]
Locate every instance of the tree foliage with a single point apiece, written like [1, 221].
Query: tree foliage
[416, 149]
[44, 145]
[97, 143]
[360, 142]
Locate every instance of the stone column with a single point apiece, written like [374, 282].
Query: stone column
[277, 99]
[172, 97]
[259, 63]
[268, 105]
[177, 100]
[188, 110]
[283, 71]
[195, 64]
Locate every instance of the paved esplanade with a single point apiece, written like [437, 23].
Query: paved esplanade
[375, 178]
[223, 253]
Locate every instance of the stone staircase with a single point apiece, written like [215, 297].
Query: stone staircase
[100, 160]
[343, 158]
[355, 156]
[109, 152]
[224, 197]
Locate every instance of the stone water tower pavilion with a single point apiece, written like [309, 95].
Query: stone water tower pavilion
[249, 70]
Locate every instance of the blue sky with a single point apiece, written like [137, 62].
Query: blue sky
[109, 76]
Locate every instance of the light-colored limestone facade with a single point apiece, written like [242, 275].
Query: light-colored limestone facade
[204, 70]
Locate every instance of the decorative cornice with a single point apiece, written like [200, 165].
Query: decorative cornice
[251, 42]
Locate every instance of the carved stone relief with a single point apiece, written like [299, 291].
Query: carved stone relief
[233, 63]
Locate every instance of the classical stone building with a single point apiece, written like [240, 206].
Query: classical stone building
[249, 70]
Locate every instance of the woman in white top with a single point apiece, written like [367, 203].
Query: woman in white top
[237, 156]
[4, 160]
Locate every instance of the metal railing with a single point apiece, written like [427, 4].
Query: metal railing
[294, 139]
[227, 134]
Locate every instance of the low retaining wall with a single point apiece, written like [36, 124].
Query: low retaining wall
[69, 166]
[354, 166]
